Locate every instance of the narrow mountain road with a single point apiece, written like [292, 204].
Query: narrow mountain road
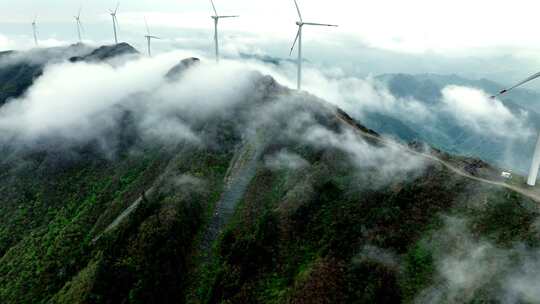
[525, 192]
[127, 212]
[122, 216]
[241, 172]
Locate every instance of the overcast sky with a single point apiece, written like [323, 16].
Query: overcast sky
[481, 38]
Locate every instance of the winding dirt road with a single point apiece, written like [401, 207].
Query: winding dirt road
[525, 192]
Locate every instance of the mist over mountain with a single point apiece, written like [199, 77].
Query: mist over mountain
[451, 132]
[127, 179]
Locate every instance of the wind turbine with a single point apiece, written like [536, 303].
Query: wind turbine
[298, 38]
[115, 22]
[34, 29]
[535, 166]
[79, 24]
[149, 38]
[216, 18]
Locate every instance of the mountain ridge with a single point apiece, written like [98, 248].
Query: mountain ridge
[322, 209]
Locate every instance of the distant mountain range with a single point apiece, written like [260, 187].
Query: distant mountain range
[446, 133]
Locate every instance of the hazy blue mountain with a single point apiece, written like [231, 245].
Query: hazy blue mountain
[446, 133]
[427, 87]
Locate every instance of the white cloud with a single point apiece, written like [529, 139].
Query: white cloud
[68, 96]
[285, 160]
[391, 162]
[5, 43]
[466, 264]
[360, 95]
[474, 109]
[78, 102]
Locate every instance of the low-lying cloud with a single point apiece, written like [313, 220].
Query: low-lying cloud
[79, 102]
[285, 160]
[474, 109]
[391, 162]
[469, 267]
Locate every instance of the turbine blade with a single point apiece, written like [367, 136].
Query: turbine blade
[320, 24]
[295, 40]
[232, 16]
[533, 77]
[298, 9]
[80, 10]
[147, 28]
[117, 6]
[214, 7]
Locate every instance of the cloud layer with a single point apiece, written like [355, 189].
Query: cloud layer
[474, 109]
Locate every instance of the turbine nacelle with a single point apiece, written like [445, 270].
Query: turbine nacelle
[34, 29]
[216, 18]
[113, 13]
[115, 22]
[79, 24]
[298, 39]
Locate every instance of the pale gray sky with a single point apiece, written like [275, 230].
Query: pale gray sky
[482, 38]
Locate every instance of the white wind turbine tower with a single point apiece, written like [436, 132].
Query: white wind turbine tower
[34, 29]
[115, 22]
[216, 18]
[149, 38]
[79, 25]
[298, 38]
[535, 166]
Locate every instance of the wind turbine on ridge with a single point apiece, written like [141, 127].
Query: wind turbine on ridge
[34, 29]
[216, 18]
[115, 22]
[79, 24]
[535, 166]
[298, 39]
[149, 38]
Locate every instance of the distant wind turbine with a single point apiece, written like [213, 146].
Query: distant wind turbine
[216, 18]
[298, 38]
[149, 38]
[115, 22]
[79, 24]
[34, 29]
[535, 166]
